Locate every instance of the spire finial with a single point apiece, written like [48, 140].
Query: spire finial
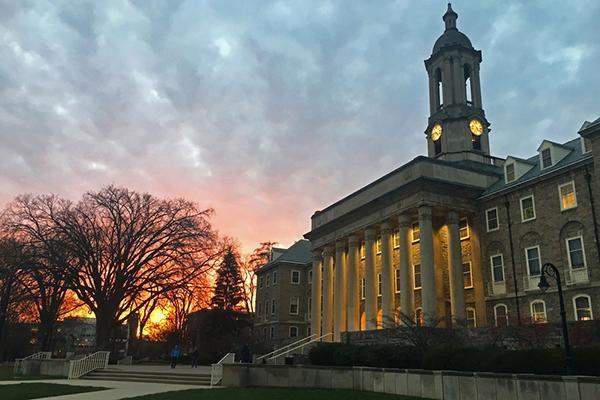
[450, 18]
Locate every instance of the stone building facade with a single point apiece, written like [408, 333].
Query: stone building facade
[459, 237]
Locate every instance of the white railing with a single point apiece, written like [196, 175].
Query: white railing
[216, 371]
[301, 346]
[286, 347]
[531, 282]
[496, 288]
[40, 355]
[87, 364]
[576, 275]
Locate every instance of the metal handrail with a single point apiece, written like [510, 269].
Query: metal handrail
[40, 355]
[216, 370]
[87, 364]
[285, 347]
[300, 346]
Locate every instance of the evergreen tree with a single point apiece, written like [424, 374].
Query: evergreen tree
[229, 285]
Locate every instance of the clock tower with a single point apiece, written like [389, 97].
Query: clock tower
[457, 128]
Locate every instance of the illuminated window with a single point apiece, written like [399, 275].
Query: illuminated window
[417, 274]
[491, 217]
[501, 315]
[527, 208]
[379, 285]
[532, 255]
[415, 232]
[509, 172]
[467, 276]
[396, 238]
[397, 272]
[583, 307]
[568, 198]
[293, 331]
[419, 316]
[362, 288]
[497, 263]
[538, 312]
[463, 228]
[295, 277]
[576, 252]
[362, 250]
[294, 305]
[546, 158]
[378, 245]
[471, 317]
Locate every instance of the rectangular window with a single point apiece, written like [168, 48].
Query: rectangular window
[272, 332]
[497, 263]
[538, 312]
[378, 244]
[273, 307]
[397, 271]
[491, 217]
[293, 331]
[510, 172]
[294, 305]
[261, 280]
[586, 145]
[527, 208]
[568, 198]
[379, 285]
[463, 228]
[266, 309]
[310, 277]
[362, 288]
[576, 252]
[415, 232]
[467, 275]
[396, 238]
[417, 275]
[546, 158]
[309, 309]
[471, 317]
[532, 255]
[295, 277]
[268, 280]
[362, 250]
[274, 277]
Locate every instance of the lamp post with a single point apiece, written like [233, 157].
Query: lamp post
[550, 270]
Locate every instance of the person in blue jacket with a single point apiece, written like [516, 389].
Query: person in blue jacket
[175, 354]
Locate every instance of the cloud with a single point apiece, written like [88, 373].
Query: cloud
[266, 110]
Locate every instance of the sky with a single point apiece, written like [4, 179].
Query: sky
[264, 110]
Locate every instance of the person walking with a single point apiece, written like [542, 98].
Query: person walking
[175, 354]
[195, 358]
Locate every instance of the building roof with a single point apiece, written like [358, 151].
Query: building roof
[451, 36]
[298, 253]
[575, 156]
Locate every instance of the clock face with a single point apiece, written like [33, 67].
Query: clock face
[436, 132]
[476, 127]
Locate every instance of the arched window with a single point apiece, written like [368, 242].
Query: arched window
[501, 315]
[582, 304]
[439, 90]
[538, 312]
[419, 316]
[293, 331]
[468, 83]
[471, 317]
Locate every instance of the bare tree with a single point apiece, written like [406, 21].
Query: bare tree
[252, 262]
[125, 246]
[10, 264]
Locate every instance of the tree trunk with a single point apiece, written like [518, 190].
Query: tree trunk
[46, 332]
[105, 322]
[4, 301]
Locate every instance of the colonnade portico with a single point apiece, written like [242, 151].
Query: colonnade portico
[340, 305]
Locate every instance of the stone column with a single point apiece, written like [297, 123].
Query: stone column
[476, 85]
[455, 269]
[327, 293]
[459, 81]
[370, 279]
[339, 298]
[387, 275]
[353, 276]
[448, 82]
[315, 318]
[406, 276]
[428, 294]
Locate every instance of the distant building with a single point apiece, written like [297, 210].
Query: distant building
[283, 295]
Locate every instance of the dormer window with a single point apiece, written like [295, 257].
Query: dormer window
[586, 145]
[546, 156]
[509, 170]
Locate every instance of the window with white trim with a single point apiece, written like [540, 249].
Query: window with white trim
[568, 197]
[417, 275]
[309, 277]
[379, 285]
[274, 278]
[396, 238]
[293, 331]
[576, 252]
[268, 278]
[467, 275]
[295, 277]
[272, 332]
[415, 232]
[294, 305]
[538, 312]
[546, 157]
[532, 256]
[273, 307]
[497, 265]
[501, 315]
[397, 275]
[586, 145]
[463, 228]
[509, 172]
[471, 317]
[491, 218]
[582, 304]
[527, 208]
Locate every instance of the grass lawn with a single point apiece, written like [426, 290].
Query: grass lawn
[7, 374]
[272, 394]
[34, 390]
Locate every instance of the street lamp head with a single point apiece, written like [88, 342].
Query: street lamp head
[543, 285]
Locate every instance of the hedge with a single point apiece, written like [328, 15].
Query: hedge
[537, 361]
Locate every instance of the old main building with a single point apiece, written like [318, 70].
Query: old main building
[457, 237]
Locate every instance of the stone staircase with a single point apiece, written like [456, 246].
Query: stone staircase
[168, 376]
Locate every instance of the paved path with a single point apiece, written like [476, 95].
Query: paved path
[164, 369]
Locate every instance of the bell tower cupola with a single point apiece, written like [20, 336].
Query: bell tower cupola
[457, 128]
